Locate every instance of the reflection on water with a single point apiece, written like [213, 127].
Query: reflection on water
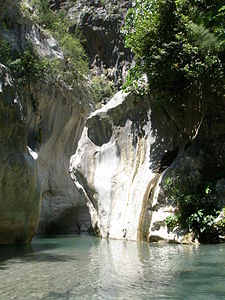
[85, 267]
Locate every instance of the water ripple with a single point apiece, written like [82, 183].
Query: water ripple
[84, 267]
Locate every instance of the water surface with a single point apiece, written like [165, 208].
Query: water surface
[85, 267]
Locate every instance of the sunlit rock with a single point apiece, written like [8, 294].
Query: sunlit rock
[124, 148]
[55, 120]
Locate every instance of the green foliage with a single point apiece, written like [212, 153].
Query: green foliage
[74, 52]
[58, 23]
[179, 44]
[27, 65]
[172, 221]
[136, 81]
[197, 207]
[43, 14]
[24, 8]
[101, 88]
[221, 226]
[200, 221]
[5, 52]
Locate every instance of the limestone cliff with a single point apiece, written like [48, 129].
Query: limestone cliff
[124, 151]
[53, 119]
[54, 113]
[118, 164]
[54, 126]
[100, 24]
[19, 185]
[127, 150]
[132, 146]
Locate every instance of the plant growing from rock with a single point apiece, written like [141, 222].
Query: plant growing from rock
[197, 207]
[26, 66]
[172, 221]
[58, 23]
[101, 89]
[6, 53]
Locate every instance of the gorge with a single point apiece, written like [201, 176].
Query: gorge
[112, 149]
[81, 154]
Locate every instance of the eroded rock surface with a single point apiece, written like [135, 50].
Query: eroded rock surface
[128, 149]
[19, 184]
[123, 152]
[100, 22]
[55, 120]
[54, 115]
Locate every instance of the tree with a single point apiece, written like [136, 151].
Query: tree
[179, 44]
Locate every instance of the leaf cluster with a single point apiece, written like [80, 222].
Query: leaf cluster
[58, 23]
[25, 66]
[221, 226]
[172, 221]
[102, 89]
[179, 44]
[198, 209]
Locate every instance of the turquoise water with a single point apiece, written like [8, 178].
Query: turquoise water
[85, 267]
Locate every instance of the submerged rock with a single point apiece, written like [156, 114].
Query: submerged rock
[19, 184]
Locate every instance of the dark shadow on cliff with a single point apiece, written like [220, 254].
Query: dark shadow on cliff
[73, 220]
[169, 140]
[103, 125]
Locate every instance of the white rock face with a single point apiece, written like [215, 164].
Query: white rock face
[55, 120]
[113, 168]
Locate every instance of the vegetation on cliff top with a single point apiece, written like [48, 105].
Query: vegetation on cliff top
[179, 44]
[25, 66]
[58, 23]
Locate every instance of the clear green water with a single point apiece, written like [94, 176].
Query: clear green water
[85, 267]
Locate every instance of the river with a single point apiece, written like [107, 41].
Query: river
[86, 267]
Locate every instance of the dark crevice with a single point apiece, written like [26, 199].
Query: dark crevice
[167, 159]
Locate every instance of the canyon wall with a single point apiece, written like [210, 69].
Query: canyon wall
[52, 115]
[127, 150]
[54, 128]
[19, 184]
[122, 154]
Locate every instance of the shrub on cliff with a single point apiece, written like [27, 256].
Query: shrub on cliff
[58, 23]
[179, 44]
[27, 65]
[197, 207]
[5, 52]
